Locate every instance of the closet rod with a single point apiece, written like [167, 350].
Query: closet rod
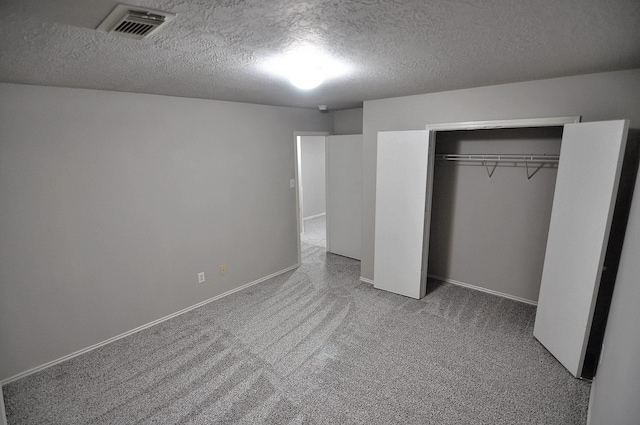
[539, 159]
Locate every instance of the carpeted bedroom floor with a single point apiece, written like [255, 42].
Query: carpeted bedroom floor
[316, 346]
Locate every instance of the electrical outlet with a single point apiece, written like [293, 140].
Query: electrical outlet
[223, 269]
[201, 277]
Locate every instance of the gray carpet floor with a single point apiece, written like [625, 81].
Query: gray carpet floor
[316, 346]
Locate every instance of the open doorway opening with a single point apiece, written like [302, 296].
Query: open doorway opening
[329, 177]
[310, 157]
[312, 188]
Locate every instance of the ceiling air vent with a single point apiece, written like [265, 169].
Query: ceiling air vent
[134, 22]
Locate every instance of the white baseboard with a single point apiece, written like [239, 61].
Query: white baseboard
[468, 285]
[140, 328]
[481, 289]
[314, 216]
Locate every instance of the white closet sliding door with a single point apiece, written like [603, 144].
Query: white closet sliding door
[586, 187]
[403, 206]
[344, 195]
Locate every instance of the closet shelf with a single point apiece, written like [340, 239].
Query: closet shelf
[513, 158]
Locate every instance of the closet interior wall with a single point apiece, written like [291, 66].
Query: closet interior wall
[491, 232]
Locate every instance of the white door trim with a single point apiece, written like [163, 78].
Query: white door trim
[492, 124]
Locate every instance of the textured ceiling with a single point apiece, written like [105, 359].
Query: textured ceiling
[217, 49]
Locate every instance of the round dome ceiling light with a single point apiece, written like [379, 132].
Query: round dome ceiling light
[306, 77]
[305, 68]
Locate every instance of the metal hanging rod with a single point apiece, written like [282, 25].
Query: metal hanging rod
[538, 159]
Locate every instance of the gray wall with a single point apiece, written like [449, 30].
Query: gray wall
[595, 97]
[113, 202]
[312, 149]
[492, 232]
[347, 121]
[616, 388]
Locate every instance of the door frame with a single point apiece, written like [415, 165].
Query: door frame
[496, 124]
[297, 164]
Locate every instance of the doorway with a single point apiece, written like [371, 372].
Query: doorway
[312, 178]
[310, 160]
[329, 192]
[312, 189]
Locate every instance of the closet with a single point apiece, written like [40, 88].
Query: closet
[491, 208]
[579, 220]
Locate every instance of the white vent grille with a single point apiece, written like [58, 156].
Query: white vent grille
[133, 22]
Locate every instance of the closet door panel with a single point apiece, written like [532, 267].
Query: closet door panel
[403, 170]
[586, 187]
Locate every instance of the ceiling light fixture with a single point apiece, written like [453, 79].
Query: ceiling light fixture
[306, 77]
[305, 68]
